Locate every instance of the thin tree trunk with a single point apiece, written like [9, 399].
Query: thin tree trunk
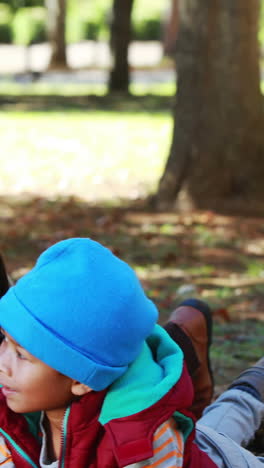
[56, 12]
[171, 28]
[120, 39]
[217, 153]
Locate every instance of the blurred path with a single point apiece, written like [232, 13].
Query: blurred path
[89, 62]
[87, 54]
[97, 76]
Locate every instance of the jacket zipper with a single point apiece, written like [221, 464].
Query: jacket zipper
[18, 449]
[64, 437]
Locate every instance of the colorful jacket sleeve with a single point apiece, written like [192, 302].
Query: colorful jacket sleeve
[168, 448]
[5, 455]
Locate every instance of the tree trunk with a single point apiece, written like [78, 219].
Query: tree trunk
[171, 28]
[56, 12]
[120, 39]
[216, 159]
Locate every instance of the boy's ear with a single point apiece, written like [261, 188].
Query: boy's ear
[79, 389]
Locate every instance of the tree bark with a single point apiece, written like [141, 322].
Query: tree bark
[120, 39]
[216, 159]
[56, 12]
[171, 28]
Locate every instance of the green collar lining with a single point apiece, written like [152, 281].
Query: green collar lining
[154, 372]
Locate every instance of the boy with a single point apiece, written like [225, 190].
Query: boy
[89, 380]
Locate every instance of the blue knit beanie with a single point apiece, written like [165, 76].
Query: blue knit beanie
[81, 310]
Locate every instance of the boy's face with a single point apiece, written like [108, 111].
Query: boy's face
[28, 383]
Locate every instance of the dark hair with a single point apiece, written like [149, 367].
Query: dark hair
[4, 283]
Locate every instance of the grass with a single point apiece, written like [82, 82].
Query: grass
[12, 88]
[43, 89]
[236, 346]
[92, 154]
[121, 153]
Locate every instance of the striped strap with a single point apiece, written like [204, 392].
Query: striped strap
[5, 455]
[168, 446]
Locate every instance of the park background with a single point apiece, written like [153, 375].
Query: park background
[86, 130]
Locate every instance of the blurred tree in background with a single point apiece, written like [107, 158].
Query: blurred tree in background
[217, 153]
[56, 17]
[120, 39]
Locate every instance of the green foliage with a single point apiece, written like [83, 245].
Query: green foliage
[87, 21]
[90, 20]
[80, 28]
[12, 4]
[29, 25]
[5, 24]
[147, 20]
[16, 4]
[31, 3]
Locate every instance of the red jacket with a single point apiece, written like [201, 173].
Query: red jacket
[115, 427]
[120, 442]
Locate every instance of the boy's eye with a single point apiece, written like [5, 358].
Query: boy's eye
[3, 339]
[2, 336]
[19, 355]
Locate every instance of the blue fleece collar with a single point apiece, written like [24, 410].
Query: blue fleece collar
[156, 370]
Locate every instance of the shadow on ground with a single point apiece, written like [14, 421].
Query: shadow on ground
[111, 102]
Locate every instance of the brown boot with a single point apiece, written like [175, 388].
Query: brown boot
[190, 326]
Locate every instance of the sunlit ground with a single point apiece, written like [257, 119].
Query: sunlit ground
[92, 154]
[68, 89]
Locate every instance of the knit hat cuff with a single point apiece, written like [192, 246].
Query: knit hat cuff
[30, 332]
